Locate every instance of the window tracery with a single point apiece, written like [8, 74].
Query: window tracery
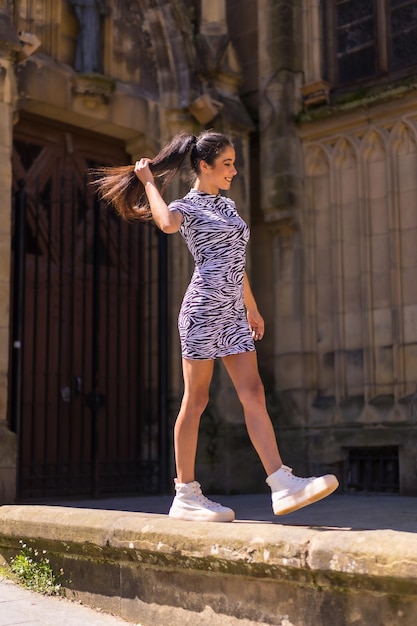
[366, 40]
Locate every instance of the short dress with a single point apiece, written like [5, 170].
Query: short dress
[212, 321]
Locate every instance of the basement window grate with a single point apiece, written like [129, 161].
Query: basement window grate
[373, 469]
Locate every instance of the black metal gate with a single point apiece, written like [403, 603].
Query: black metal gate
[88, 345]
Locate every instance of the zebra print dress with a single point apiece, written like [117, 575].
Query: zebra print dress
[212, 321]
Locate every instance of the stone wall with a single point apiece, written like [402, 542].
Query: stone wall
[345, 270]
[346, 292]
[162, 571]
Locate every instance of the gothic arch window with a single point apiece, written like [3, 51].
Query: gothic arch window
[367, 40]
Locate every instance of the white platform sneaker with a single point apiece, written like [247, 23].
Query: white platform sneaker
[191, 505]
[290, 493]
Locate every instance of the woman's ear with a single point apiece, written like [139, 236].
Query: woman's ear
[204, 167]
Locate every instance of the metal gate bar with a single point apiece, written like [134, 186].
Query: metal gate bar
[93, 399]
[373, 469]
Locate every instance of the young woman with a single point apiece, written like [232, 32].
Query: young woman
[218, 319]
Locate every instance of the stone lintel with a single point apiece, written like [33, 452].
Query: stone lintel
[94, 102]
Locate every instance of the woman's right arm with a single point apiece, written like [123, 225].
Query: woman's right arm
[168, 221]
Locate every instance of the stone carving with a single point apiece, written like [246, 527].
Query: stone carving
[89, 15]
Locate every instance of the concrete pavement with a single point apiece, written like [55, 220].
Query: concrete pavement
[22, 607]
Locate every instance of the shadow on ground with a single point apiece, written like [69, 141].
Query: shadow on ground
[352, 512]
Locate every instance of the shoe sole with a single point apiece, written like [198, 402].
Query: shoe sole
[195, 517]
[306, 496]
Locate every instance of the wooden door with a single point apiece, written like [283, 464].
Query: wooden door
[90, 418]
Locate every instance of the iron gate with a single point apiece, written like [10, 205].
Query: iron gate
[88, 345]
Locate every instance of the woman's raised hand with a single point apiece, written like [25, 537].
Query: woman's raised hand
[143, 171]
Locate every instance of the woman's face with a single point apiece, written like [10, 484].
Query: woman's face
[221, 173]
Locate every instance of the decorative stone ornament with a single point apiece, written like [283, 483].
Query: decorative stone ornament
[205, 108]
[30, 44]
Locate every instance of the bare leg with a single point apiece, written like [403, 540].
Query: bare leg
[189, 502]
[243, 370]
[197, 378]
[289, 493]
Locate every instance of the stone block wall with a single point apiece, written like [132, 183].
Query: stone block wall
[346, 302]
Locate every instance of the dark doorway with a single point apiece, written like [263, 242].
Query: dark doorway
[88, 396]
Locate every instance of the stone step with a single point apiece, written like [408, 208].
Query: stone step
[148, 568]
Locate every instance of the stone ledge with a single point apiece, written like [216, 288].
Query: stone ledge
[140, 565]
[93, 102]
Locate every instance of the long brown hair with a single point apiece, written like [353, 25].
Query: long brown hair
[121, 187]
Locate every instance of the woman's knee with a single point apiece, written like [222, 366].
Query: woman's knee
[252, 393]
[195, 403]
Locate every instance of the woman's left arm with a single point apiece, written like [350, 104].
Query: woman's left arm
[255, 319]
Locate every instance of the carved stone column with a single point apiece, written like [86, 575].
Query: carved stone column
[281, 169]
[280, 76]
[280, 156]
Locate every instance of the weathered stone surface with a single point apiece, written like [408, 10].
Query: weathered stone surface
[136, 564]
[339, 291]
[9, 40]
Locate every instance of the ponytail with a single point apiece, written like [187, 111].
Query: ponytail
[121, 187]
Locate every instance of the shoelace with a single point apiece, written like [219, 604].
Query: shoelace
[298, 478]
[205, 501]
